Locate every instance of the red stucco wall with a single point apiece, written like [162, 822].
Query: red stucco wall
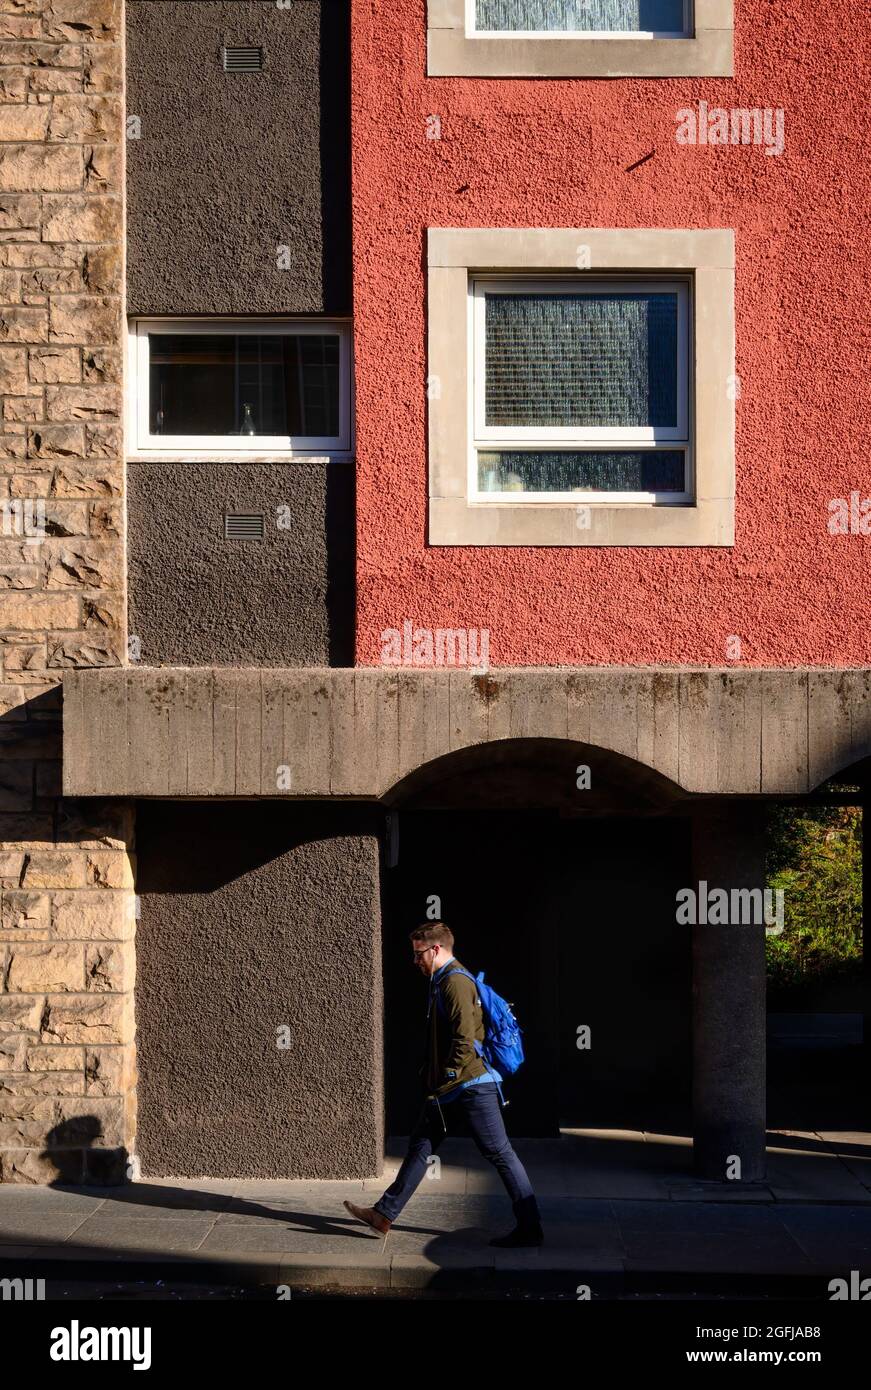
[555, 153]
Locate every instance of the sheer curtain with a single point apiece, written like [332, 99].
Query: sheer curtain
[599, 470]
[581, 359]
[613, 16]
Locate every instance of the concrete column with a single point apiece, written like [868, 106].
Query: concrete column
[729, 998]
[259, 1002]
[865, 783]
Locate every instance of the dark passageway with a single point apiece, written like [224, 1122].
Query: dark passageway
[573, 920]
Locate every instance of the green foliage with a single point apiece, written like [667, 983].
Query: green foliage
[814, 854]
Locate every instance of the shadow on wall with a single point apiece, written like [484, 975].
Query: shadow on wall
[70, 1147]
[335, 153]
[341, 563]
[191, 848]
[31, 759]
[30, 756]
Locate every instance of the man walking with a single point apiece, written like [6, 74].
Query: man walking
[459, 1084]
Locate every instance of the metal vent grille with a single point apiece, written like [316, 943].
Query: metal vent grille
[243, 59]
[243, 526]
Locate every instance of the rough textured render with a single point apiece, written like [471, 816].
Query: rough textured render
[197, 599]
[67, 1073]
[360, 732]
[276, 929]
[600, 153]
[229, 167]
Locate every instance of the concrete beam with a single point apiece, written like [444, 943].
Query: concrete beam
[313, 732]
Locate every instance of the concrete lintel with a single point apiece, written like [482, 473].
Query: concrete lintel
[356, 733]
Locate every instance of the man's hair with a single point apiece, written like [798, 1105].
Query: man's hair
[434, 934]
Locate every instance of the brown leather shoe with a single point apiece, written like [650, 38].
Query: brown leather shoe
[370, 1217]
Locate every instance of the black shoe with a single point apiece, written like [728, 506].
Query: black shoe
[520, 1237]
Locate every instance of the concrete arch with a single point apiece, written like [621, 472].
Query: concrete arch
[536, 773]
[856, 773]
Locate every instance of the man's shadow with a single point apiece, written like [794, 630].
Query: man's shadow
[107, 1174]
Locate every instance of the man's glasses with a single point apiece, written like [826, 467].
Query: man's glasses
[417, 954]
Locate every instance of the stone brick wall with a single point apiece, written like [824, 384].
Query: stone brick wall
[67, 1069]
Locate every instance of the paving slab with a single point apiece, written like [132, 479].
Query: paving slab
[216, 1186]
[38, 1227]
[280, 1240]
[169, 1234]
[751, 1194]
[746, 1245]
[447, 1179]
[642, 1186]
[726, 1218]
[812, 1178]
[860, 1168]
[288, 1188]
[15, 1199]
[839, 1236]
[166, 1199]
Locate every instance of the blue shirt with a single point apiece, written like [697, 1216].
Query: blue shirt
[492, 1075]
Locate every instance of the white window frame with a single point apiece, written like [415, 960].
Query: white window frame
[685, 33]
[578, 439]
[145, 444]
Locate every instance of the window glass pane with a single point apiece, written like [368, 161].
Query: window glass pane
[575, 16]
[581, 359]
[244, 383]
[599, 470]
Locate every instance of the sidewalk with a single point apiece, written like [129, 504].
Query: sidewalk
[621, 1210]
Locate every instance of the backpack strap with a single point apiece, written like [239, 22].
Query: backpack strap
[479, 1046]
[437, 991]
[460, 971]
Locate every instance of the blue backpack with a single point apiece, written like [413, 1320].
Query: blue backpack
[502, 1046]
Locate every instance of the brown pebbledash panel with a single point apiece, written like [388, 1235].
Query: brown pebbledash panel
[228, 167]
[197, 599]
[252, 918]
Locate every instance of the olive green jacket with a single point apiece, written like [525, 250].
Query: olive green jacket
[453, 1032]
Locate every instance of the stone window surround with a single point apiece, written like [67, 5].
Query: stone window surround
[455, 254]
[451, 53]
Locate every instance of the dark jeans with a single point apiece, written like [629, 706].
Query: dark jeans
[479, 1107]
